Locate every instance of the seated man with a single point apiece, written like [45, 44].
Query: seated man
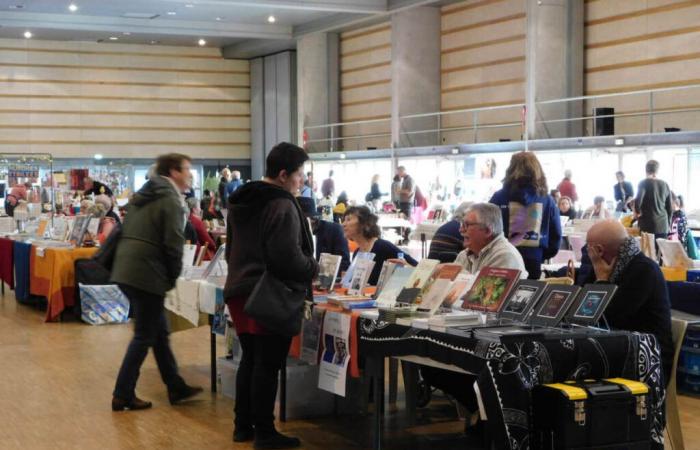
[641, 302]
[447, 241]
[482, 229]
[329, 235]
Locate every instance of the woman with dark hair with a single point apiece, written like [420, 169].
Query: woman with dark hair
[360, 226]
[530, 217]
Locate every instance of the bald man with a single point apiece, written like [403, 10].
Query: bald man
[641, 300]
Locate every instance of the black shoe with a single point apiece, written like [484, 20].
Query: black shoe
[275, 440]
[243, 434]
[183, 393]
[119, 404]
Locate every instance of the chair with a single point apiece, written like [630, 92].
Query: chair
[673, 421]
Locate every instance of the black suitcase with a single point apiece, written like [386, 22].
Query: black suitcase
[603, 414]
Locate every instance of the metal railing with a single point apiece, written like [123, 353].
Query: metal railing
[436, 133]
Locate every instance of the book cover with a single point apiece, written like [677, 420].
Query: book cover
[387, 270]
[418, 280]
[363, 269]
[555, 302]
[461, 285]
[522, 300]
[490, 289]
[328, 271]
[80, 224]
[442, 272]
[347, 277]
[432, 300]
[590, 304]
[393, 286]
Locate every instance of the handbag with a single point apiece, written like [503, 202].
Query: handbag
[278, 307]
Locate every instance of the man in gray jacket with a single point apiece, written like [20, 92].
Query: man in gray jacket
[147, 263]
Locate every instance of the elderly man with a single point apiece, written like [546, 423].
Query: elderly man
[641, 302]
[485, 245]
[482, 229]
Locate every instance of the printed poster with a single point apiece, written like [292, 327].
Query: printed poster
[336, 353]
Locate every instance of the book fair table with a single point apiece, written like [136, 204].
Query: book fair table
[7, 263]
[506, 373]
[52, 275]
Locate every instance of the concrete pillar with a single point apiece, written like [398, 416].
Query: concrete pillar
[554, 59]
[318, 84]
[273, 113]
[415, 73]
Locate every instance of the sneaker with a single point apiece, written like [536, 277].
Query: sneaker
[274, 441]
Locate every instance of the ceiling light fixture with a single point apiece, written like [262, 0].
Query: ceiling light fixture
[189, 5]
[271, 19]
[202, 42]
[98, 156]
[72, 7]
[171, 13]
[154, 42]
[619, 141]
[28, 34]
[126, 33]
[113, 38]
[218, 19]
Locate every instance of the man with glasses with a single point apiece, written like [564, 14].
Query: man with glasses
[485, 245]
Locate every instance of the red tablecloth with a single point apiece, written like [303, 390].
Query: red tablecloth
[7, 261]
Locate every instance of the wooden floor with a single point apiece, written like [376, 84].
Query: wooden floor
[56, 382]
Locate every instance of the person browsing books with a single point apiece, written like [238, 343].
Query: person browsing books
[485, 245]
[641, 301]
[360, 226]
[266, 237]
[329, 235]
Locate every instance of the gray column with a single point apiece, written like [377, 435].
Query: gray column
[554, 58]
[273, 114]
[415, 73]
[318, 84]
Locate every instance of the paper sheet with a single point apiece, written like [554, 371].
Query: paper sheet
[336, 353]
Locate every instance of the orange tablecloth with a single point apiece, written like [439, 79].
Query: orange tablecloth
[53, 276]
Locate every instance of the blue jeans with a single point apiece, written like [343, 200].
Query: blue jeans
[150, 330]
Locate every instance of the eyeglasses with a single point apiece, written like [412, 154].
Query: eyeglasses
[466, 225]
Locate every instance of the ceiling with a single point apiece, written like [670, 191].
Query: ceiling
[239, 26]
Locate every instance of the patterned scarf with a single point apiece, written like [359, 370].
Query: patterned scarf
[628, 250]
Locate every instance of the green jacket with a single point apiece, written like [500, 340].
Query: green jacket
[149, 253]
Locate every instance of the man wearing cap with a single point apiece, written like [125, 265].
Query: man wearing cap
[329, 235]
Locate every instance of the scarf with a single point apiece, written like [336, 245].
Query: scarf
[628, 250]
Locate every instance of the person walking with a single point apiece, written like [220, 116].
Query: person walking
[146, 265]
[653, 203]
[268, 233]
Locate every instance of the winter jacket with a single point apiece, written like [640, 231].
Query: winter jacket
[149, 254]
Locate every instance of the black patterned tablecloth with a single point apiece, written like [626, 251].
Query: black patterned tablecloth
[507, 372]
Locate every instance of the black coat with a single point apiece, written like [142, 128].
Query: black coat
[331, 239]
[266, 230]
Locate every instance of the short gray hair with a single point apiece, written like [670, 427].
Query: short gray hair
[489, 216]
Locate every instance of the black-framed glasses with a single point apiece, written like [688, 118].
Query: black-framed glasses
[466, 225]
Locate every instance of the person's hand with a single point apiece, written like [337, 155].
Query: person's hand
[603, 270]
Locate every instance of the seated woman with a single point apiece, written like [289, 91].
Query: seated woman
[598, 210]
[566, 208]
[203, 237]
[360, 226]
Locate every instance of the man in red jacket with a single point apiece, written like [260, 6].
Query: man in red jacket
[567, 188]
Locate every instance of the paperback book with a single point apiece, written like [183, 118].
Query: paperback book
[522, 300]
[556, 301]
[363, 269]
[347, 277]
[461, 285]
[328, 271]
[417, 282]
[490, 289]
[438, 287]
[387, 270]
[394, 285]
[590, 304]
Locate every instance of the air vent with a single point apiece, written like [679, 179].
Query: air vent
[140, 15]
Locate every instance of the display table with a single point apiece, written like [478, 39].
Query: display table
[52, 275]
[507, 373]
[21, 254]
[7, 262]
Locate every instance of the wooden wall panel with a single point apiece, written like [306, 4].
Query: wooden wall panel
[636, 45]
[365, 85]
[483, 64]
[76, 99]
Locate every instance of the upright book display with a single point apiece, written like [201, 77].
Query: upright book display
[490, 289]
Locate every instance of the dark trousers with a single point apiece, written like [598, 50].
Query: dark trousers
[406, 208]
[150, 330]
[533, 267]
[257, 379]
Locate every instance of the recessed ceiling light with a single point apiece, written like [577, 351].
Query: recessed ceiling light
[218, 18]
[126, 33]
[189, 5]
[113, 38]
[171, 13]
[271, 19]
[28, 34]
[98, 156]
[202, 42]
[72, 7]
[154, 42]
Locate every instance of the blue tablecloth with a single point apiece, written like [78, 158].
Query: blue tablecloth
[22, 251]
[684, 296]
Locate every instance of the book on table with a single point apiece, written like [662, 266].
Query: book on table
[522, 299]
[555, 302]
[418, 280]
[590, 304]
[438, 287]
[394, 285]
[347, 277]
[490, 289]
[387, 270]
[363, 269]
[328, 271]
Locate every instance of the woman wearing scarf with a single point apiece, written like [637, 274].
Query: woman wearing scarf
[641, 300]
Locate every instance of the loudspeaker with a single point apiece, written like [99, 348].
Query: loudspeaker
[604, 126]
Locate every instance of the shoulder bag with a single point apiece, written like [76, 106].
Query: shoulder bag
[278, 307]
